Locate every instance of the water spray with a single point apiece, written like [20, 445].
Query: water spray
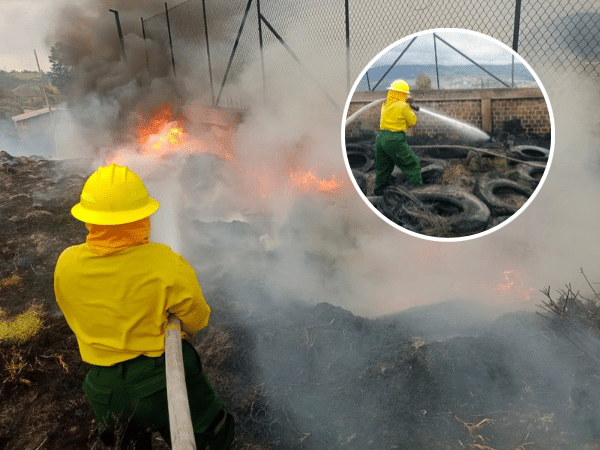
[353, 117]
[470, 130]
[475, 133]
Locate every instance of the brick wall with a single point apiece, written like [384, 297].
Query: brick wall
[533, 113]
[486, 109]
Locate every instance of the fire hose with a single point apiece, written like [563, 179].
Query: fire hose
[379, 101]
[353, 117]
[180, 419]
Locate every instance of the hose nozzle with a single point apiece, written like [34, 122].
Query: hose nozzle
[414, 107]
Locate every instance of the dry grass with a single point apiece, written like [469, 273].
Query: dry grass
[430, 223]
[454, 171]
[22, 327]
[472, 427]
[13, 281]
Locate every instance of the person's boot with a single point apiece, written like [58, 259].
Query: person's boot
[222, 435]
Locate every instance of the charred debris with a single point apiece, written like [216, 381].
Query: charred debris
[306, 376]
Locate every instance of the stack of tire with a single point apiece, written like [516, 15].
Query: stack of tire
[493, 199]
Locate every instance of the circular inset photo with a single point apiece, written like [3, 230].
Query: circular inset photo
[448, 134]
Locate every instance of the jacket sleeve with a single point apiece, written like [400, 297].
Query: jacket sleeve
[186, 301]
[409, 116]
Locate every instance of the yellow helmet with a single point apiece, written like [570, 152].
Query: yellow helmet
[114, 195]
[400, 86]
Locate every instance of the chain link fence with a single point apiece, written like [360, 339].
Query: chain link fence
[448, 59]
[326, 44]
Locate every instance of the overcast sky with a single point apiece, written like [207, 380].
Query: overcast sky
[23, 25]
[481, 49]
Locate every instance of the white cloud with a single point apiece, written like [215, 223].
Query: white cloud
[23, 25]
[480, 49]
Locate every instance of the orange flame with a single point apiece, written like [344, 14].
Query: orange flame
[171, 138]
[308, 181]
[161, 134]
[514, 284]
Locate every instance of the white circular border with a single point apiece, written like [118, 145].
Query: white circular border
[485, 232]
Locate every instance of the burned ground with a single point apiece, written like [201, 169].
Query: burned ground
[299, 375]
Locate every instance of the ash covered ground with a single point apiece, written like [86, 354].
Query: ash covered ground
[296, 374]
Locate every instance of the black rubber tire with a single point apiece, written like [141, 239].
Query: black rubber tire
[363, 136]
[530, 174]
[439, 152]
[359, 161]
[529, 153]
[394, 197]
[487, 189]
[469, 214]
[361, 180]
[495, 221]
[432, 170]
[362, 147]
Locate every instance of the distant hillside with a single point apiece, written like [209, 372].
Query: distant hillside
[465, 76]
[11, 80]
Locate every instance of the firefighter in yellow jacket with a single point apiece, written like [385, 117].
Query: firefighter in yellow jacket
[391, 147]
[116, 292]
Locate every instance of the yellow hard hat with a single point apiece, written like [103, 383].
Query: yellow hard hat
[114, 195]
[400, 86]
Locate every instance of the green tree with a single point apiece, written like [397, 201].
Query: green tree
[423, 81]
[62, 74]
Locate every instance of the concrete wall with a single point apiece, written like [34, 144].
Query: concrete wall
[486, 109]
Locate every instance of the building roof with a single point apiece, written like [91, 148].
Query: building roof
[34, 113]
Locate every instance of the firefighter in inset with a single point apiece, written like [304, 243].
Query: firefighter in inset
[391, 147]
[116, 292]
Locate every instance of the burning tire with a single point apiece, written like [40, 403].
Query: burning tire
[431, 171]
[502, 196]
[359, 161]
[361, 180]
[463, 212]
[530, 174]
[530, 153]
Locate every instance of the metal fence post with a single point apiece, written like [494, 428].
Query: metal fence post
[237, 41]
[180, 419]
[295, 57]
[170, 39]
[513, 72]
[119, 31]
[472, 61]
[437, 72]
[260, 44]
[394, 63]
[145, 48]
[347, 45]
[212, 89]
[517, 23]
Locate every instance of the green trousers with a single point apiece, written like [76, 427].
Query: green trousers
[392, 149]
[130, 397]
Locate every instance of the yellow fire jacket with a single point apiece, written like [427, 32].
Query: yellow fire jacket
[396, 116]
[117, 298]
